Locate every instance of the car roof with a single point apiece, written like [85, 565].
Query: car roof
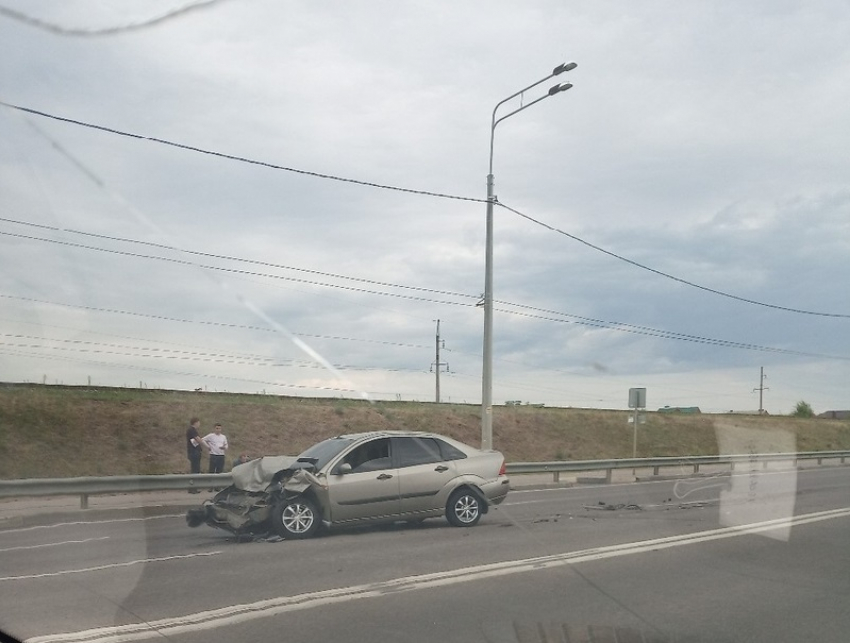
[390, 434]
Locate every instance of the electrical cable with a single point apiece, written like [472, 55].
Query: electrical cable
[241, 159]
[662, 334]
[197, 253]
[103, 348]
[584, 321]
[667, 275]
[431, 194]
[235, 271]
[104, 31]
[625, 327]
[219, 324]
[136, 367]
[669, 334]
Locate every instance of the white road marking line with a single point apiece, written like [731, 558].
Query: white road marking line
[727, 475]
[16, 530]
[236, 614]
[110, 566]
[64, 542]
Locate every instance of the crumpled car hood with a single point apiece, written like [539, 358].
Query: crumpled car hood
[258, 485]
[256, 475]
[301, 480]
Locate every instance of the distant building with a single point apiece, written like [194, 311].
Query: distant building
[835, 415]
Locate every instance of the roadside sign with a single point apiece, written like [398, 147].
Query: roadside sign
[637, 398]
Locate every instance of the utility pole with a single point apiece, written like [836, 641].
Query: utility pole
[761, 389]
[437, 363]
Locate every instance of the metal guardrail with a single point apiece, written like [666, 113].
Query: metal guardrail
[558, 467]
[92, 486]
[89, 486]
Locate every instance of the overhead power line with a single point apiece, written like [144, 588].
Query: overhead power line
[667, 275]
[195, 348]
[587, 321]
[210, 255]
[208, 323]
[424, 193]
[236, 271]
[229, 378]
[663, 334]
[240, 159]
[104, 348]
[559, 317]
[104, 31]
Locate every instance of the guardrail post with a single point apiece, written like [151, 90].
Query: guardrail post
[696, 467]
[609, 476]
[556, 477]
[655, 470]
[820, 460]
[84, 501]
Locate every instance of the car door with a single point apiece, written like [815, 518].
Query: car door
[369, 490]
[423, 474]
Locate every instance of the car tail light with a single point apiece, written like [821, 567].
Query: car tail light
[503, 470]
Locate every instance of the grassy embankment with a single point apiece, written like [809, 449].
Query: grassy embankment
[51, 431]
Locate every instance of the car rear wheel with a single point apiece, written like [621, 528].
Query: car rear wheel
[297, 518]
[463, 508]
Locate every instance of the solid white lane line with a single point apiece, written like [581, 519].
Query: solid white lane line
[17, 530]
[726, 475]
[110, 566]
[236, 614]
[64, 542]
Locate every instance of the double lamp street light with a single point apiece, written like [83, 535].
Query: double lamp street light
[487, 370]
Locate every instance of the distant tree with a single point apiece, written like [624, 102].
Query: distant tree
[803, 410]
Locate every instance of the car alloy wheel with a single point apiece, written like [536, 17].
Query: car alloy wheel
[463, 509]
[297, 518]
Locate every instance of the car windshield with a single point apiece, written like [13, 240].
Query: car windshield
[324, 452]
[569, 272]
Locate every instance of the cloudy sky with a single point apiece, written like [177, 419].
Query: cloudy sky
[283, 197]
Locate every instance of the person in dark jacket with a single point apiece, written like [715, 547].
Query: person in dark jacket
[193, 448]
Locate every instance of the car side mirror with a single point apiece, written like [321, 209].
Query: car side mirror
[344, 468]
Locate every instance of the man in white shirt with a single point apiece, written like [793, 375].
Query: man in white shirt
[217, 444]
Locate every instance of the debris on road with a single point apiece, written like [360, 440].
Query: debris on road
[547, 519]
[604, 506]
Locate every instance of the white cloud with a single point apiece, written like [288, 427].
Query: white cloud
[704, 141]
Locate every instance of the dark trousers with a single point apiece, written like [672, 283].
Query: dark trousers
[216, 463]
[195, 462]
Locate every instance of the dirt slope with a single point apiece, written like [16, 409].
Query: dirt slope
[54, 431]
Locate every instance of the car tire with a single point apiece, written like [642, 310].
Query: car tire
[463, 508]
[297, 518]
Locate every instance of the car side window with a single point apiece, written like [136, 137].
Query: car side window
[449, 452]
[372, 456]
[409, 452]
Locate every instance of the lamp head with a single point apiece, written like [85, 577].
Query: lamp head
[563, 67]
[559, 88]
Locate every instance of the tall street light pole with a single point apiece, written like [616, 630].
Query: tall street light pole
[487, 370]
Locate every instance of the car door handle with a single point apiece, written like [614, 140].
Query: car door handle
[441, 468]
[384, 476]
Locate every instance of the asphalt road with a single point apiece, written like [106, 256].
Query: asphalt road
[760, 556]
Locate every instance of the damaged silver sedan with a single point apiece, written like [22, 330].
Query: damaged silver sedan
[376, 477]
